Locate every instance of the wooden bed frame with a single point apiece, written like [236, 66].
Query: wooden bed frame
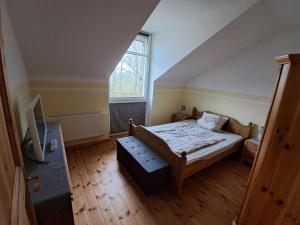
[180, 168]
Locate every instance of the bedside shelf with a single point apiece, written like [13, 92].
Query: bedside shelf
[179, 117]
[250, 150]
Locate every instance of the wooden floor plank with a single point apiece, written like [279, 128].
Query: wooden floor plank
[104, 192]
[96, 195]
[81, 216]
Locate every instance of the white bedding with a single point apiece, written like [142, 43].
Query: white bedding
[198, 142]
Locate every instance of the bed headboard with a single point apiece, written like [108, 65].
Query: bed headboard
[232, 125]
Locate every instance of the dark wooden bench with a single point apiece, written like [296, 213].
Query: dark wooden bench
[148, 169]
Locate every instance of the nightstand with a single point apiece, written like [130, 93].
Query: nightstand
[250, 150]
[179, 117]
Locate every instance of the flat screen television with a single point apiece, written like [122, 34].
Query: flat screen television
[37, 127]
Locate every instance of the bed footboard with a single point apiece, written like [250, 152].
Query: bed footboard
[177, 162]
[180, 170]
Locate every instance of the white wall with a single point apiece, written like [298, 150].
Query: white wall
[14, 65]
[253, 70]
[15, 72]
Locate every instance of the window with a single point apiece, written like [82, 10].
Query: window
[129, 80]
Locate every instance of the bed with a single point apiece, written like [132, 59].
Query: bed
[178, 143]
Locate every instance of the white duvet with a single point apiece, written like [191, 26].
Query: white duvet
[186, 136]
[197, 142]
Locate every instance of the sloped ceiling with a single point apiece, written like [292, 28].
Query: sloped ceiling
[262, 19]
[178, 27]
[287, 11]
[252, 70]
[73, 39]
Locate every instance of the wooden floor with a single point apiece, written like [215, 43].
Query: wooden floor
[105, 194]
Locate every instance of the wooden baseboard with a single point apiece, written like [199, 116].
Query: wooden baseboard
[69, 145]
[121, 134]
[80, 143]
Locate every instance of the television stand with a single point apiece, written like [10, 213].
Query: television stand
[53, 203]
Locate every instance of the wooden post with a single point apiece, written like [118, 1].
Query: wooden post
[194, 112]
[130, 132]
[180, 180]
[183, 156]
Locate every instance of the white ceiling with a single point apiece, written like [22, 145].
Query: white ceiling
[263, 18]
[76, 39]
[287, 11]
[84, 40]
[178, 27]
[173, 13]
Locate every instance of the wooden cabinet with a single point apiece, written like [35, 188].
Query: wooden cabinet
[179, 117]
[53, 202]
[273, 193]
[250, 150]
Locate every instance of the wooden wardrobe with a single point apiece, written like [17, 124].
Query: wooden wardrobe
[273, 195]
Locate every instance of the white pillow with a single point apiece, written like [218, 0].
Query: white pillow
[211, 121]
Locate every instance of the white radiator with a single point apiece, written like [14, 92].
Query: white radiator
[80, 126]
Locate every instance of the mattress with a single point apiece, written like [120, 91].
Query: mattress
[188, 136]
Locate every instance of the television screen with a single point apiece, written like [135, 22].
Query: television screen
[40, 121]
[37, 127]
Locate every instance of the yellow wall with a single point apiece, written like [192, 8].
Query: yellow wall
[61, 98]
[65, 98]
[245, 108]
[166, 101]
[20, 99]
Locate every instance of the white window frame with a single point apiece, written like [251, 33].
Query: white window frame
[147, 77]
